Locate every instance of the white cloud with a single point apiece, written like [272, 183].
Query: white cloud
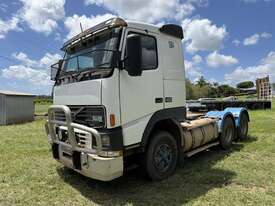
[23, 58]
[266, 35]
[197, 59]
[255, 38]
[215, 60]
[200, 3]
[202, 35]
[21, 72]
[270, 59]
[42, 16]
[251, 40]
[49, 59]
[266, 67]
[248, 73]
[236, 42]
[150, 11]
[45, 62]
[72, 23]
[192, 70]
[35, 72]
[9, 25]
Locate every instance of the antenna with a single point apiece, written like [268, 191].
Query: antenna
[81, 27]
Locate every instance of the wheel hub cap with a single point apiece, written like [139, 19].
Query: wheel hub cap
[163, 157]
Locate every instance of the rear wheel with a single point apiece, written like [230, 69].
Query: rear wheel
[228, 133]
[243, 127]
[161, 156]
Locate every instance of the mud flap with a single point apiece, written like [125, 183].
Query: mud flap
[76, 157]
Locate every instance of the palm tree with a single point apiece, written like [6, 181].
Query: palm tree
[201, 82]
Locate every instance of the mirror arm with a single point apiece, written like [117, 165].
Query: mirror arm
[121, 63]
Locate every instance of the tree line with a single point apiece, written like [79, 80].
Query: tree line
[204, 89]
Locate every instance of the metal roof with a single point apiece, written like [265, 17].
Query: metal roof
[13, 93]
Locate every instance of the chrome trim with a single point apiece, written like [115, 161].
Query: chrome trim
[52, 123]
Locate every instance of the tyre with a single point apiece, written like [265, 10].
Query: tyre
[161, 156]
[243, 128]
[228, 133]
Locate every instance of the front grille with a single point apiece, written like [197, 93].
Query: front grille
[86, 115]
[83, 139]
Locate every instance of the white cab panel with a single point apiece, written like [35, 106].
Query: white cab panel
[133, 130]
[174, 89]
[79, 93]
[138, 95]
[110, 97]
[173, 71]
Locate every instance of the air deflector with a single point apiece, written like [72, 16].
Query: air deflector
[173, 30]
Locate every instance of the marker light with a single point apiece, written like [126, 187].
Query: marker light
[112, 120]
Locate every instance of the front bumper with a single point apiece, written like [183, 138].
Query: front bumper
[87, 161]
[92, 165]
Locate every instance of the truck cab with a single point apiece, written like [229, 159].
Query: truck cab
[119, 93]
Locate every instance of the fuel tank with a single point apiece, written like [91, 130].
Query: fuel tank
[199, 132]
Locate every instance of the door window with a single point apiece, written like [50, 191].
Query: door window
[149, 59]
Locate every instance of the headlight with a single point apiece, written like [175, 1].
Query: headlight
[97, 118]
[105, 140]
[90, 116]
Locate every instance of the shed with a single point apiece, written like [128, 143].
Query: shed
[16, 107]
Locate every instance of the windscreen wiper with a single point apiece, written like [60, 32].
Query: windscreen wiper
[80, 75]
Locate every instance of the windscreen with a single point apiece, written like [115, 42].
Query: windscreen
[96, 52]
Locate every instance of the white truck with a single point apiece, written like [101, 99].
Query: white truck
[119, 100]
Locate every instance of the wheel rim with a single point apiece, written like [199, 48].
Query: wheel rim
[163, 157]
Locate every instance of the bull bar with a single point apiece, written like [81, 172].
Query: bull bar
[52, 123]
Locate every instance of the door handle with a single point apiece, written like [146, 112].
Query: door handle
[168, 99]
[158, 100]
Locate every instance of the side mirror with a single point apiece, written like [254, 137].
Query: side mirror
[55, 69]
[134, 54]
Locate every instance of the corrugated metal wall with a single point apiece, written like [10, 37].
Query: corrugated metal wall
[19, 109]
[2, 110]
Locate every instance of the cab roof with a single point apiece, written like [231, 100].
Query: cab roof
[170, 29]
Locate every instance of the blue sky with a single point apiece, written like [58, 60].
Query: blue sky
[225, 41]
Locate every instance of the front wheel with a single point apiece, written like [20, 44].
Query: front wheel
[161, 156]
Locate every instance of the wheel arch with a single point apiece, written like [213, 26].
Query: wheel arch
[167, 120]
[230, 115]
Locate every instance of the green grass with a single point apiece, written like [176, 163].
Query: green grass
[41, 109]
[245, 175]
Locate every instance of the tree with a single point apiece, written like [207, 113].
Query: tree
[226, 90]
[245, 85]
[203, 89]
[202, 82]
[189, 89]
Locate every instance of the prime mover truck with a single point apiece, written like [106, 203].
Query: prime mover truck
[119, 100]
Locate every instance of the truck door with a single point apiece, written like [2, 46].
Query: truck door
[141, 96]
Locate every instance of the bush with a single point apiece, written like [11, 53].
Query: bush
[245, 85]
[226, 90]
[204, 89]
